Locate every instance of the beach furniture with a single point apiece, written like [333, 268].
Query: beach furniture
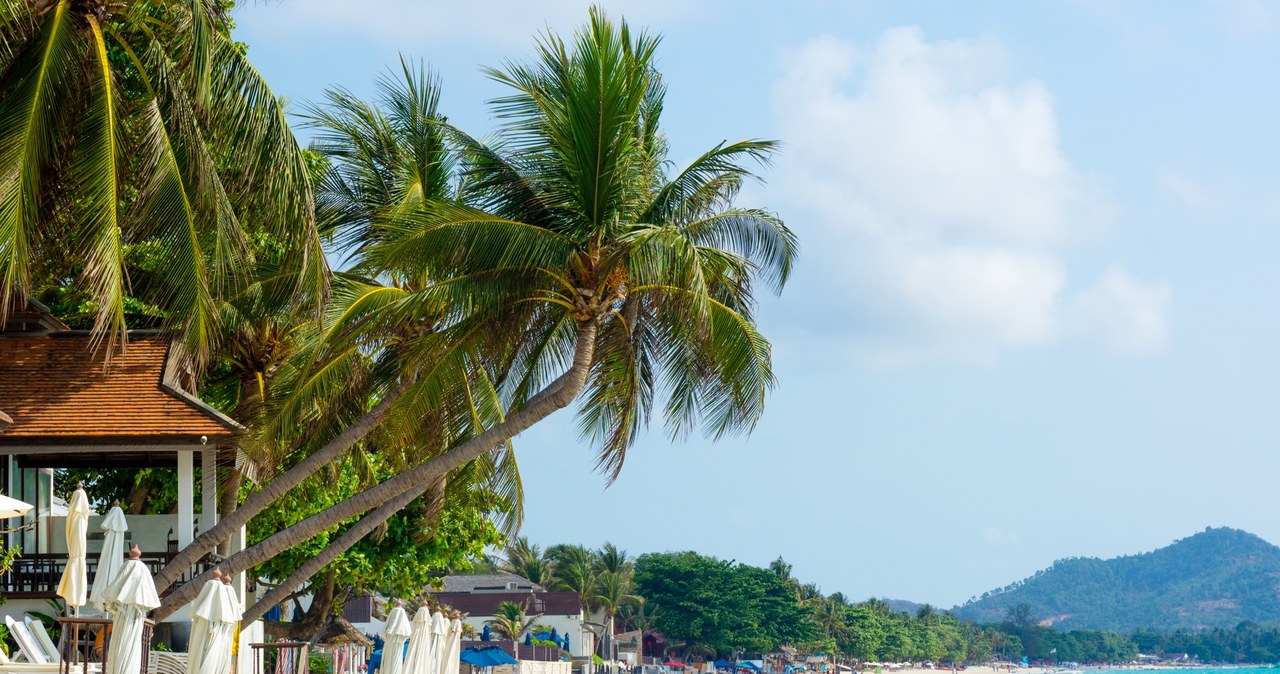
[42, 638]
[28, 648]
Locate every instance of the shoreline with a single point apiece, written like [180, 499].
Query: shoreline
[989, 669]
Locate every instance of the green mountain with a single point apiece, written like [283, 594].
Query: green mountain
[1216, 578]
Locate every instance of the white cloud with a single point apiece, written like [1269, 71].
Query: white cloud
[489, 22]
[1128, 314]
[1190, 192]
[939, 200]
[1248, 17]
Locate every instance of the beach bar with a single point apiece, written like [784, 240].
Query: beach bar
[67, 406]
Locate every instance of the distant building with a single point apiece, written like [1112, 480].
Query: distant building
[479, 596]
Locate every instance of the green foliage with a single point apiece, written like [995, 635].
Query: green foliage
[142, 149]
[319, 663]
[412, 548]
[159, 487]
[720, 605]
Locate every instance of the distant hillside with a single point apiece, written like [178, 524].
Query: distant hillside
[902, 605]
[1215, 578]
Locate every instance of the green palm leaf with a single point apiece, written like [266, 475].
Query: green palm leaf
[33, 109]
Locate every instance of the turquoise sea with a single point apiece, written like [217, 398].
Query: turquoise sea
[1266, 669]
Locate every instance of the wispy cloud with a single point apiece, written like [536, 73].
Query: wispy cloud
[945, 205]
[1189, 191]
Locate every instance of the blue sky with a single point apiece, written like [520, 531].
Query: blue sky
[1034, 316]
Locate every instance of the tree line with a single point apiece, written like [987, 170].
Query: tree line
[706, 607]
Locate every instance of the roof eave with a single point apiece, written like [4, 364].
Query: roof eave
[170, 384]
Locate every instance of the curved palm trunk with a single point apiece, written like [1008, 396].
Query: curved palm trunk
[409, 484]
[350, 537]
[229, 500]
[274, 491]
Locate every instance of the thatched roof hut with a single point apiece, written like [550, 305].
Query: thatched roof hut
[339, 631]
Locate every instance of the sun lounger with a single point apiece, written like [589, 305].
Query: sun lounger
[28, 647]
[162, 662]
[36, 627]
[7, 666]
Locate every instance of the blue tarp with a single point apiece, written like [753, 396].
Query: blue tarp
[747, 665]
[490, 656]
[722, 663]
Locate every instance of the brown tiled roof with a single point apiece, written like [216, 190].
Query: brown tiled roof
[58, 392]
[488, 582]
[486, 603]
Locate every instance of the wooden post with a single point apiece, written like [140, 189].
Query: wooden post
[186, 498]
[208, 487]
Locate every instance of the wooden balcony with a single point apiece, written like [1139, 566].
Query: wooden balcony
[36, 576]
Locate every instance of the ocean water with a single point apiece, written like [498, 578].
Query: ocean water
[1194, 670]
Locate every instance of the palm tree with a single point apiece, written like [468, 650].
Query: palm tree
[511, 622]
[637, 615]
[830, 616]
[609, 559]
[588, 267]
[384, 157]
[574, 570]
[528, 561]
[518, 554]
[139, 144]
[810, 593]
[611, 591]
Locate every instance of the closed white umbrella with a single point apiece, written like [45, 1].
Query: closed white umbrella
[396, 632]
[128, 599]
[74, 586]
[418, 659]
[439, 631]
[112, 556]
[201, 608]
[12, 507]
[221, 613]
[453, 648]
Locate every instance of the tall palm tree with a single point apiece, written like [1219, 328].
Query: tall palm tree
[528, 561]
[518, 554]
[386, 157]
[511, 622]
[609, 559]
[138, 144]
[574, 571]
[829, 613]
[610, 592]
[589, 267]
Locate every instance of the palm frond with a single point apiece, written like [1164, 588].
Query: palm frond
[97, 180]
[38, 83]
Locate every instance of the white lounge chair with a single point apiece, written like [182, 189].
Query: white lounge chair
[163, 662]
[28, 647]
[7, 666]
[36, 627]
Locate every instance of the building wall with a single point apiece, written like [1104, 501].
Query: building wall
[533, 667]
[149, 532]
[581, 640]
